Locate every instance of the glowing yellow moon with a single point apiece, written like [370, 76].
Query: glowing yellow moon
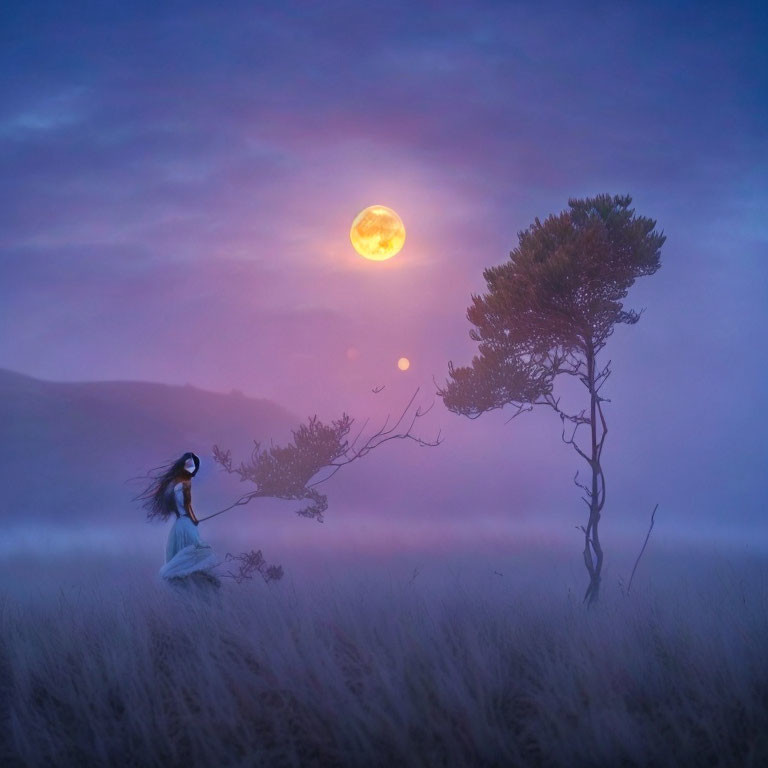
[403, 363]
[377, 233]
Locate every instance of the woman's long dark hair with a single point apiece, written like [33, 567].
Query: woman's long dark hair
[160, 504]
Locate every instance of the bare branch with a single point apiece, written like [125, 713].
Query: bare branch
[520, 409]
[572, 441]
[242, 501]
[647, 536]
[602, 377]
[581, 485]
[357, 436]
[554, 404]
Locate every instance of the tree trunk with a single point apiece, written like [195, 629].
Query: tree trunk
[593, 552]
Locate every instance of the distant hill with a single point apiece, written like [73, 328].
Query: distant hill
[67, 449]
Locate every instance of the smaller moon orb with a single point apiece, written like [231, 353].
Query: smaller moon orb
[352, 353]
[377, 233]
[403, 363]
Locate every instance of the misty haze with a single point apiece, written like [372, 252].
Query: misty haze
[382, 386]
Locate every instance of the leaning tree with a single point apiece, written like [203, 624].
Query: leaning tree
[549, 310]
[315, 454]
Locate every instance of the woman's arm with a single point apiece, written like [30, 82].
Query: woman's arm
[188, 502]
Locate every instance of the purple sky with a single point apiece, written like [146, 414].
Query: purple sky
[177, 186]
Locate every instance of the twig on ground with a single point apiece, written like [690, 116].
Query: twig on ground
[250, 563]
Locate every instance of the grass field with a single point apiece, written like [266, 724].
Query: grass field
[124, 671]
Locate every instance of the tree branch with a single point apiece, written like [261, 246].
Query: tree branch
[293, 471]
[520, 409]
[554, 403]
[583, 487]
[572, 441]
[648, 535]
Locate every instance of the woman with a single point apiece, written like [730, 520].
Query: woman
[171, 494]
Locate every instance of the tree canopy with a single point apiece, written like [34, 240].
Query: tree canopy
[559, 295]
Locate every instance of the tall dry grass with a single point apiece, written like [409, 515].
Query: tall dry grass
[385, 673]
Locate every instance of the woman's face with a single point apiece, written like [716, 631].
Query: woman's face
[189, 465]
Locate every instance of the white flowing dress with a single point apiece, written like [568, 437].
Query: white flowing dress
[184, 552]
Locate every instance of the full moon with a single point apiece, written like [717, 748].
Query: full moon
[403, 363]
[377, 233]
